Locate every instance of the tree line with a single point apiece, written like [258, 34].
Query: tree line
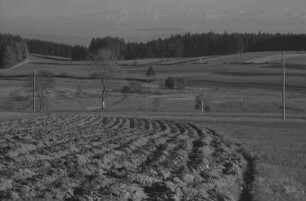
[76, 52]
[13, 49]
[193, 45]
[49, 48]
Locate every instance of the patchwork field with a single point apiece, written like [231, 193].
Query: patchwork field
[244, 91]
[226, 82]
[90, 157]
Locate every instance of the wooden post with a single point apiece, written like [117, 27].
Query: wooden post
[284, 87]
[34, 102]
[202, 106]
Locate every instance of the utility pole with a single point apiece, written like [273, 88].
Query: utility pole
[34, 104]
[284, 87]
[146, 101]
[244, 104]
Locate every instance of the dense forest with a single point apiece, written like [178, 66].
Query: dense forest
[13, 49]
[192, 45]
[49, 48]
[79, 53]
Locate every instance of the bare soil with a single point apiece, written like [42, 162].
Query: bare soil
[91, 157]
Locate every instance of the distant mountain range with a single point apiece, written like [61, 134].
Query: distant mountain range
[141, 25]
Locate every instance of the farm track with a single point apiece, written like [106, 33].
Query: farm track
[75, 157]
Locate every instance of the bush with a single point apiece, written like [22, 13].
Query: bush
[16, 96]
[181, 83]
[16, 101]
[136, 87]
[208, 108]
[150, 73]
[156, 103]
[170, 83]
[125, 90]
[95, 76]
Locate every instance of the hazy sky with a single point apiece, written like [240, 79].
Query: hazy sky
[56, 7]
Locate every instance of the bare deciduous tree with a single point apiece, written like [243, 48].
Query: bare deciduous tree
[44, 81]
[103, 65]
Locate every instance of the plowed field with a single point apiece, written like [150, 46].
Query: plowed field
[87, 157]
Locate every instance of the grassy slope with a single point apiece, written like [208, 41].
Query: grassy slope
[280, 148]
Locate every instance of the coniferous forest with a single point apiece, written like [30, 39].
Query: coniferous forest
[193, 45]
[49, 48]
[13, 49]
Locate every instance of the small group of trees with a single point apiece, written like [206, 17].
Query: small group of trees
[201, 103]
[22, 98]
[179, 83]
[13, 49]
[44, 81]
[112, 44]
[170, 82]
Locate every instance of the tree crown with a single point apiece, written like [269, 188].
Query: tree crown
[150, 72]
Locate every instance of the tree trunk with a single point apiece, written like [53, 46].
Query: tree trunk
[103, 94]
[40, 96]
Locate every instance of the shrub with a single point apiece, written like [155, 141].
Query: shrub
[136, 87]
[170, 83]
[16, 96]
[16, 101]
[150, 73]
[95, 76]
[181, 83]
[208, 108]
[156, 103]
[125, 90]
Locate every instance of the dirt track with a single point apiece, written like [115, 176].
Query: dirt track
[65, 157]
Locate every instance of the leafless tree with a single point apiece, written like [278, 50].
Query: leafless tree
[44, 81]
[103, 66]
